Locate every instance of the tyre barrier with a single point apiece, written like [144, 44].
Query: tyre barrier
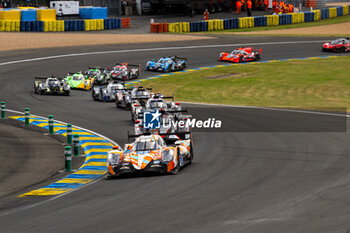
[339, 11]
[309, 17]
[66, 25]
[255, 21]
[125, 22]
[200, 26]
[246, 22]
[260, 21]
[346, 10]
[285, 19]
[317, 16]
[325, 14]
[297, 18]
[272, 20]
[332, 12]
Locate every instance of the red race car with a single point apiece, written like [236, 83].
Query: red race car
[338, 45]
[241, 55]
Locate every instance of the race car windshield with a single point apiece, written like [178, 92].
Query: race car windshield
[115, 87]
[164, 61]
[142, 146]
[52, 82]
[340, 41]
[157, 104]
[119, 68]
[77, 78]
[93, 73]
[141, 93]
[237, 52]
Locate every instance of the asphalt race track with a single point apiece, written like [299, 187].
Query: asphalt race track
[249, 181]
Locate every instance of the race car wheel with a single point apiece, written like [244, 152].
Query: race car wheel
[108, 176]
[67, 93]
[342, 49]
[191, 151]
[257, 57]
[177, 168]
[240, 59]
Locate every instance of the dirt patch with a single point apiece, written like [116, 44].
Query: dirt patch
[15, 41]
[341, 28]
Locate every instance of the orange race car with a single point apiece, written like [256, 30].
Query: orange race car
[241, 55]
[150, 153]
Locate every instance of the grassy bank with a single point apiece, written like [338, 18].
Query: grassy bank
[304, 84]
[341, 19]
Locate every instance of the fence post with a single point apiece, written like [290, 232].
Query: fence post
[69, 134]
[68, 158]
[3, 107]
[51, 124]
[76, 144]
[26, 115]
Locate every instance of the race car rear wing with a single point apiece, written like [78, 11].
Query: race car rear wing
[72, 73]
[96, 67]
[41, 78]
[134, 66]
[140, 115]
[44, 78]
[141, 98]
[181, 134]
[176, 58]
[257, 50]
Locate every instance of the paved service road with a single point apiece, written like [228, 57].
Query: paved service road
[269, 182]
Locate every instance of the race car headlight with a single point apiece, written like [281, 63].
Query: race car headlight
[113, 158]
[168, 155]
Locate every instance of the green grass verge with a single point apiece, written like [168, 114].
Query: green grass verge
[341, 19]
[302, 84]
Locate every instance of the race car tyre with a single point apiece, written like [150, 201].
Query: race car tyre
[342, 49]
[177, 168]
[240, 59]
[67, 93]
[191, 151]
[257, 57]
[108, 176]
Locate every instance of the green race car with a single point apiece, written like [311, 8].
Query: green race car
[79, 81]
[101, 75]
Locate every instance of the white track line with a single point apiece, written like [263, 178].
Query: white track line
[154, 49]
[100, 135]
[63, 194]
[273, 109]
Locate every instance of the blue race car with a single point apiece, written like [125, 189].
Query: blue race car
[167, 64]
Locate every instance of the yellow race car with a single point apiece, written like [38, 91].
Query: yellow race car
[79, 81]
